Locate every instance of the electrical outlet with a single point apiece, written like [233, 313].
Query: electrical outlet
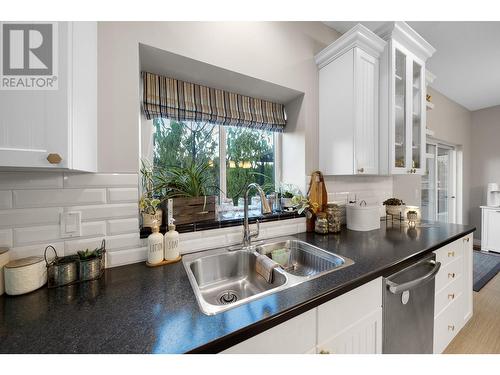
[71, 224]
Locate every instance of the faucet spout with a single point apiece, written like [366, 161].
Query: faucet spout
[266, 209]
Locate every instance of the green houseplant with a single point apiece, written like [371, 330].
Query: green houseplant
[192, 191]
[393, 206]
[149, 202]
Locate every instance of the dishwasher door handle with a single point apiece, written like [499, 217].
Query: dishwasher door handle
[398, 288]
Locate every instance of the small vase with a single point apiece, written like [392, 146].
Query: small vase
[148, 220]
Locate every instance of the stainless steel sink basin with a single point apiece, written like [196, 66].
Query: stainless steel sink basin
[222, 279]
[230, 278]
[304, 259]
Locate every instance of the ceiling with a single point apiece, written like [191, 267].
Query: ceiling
[466, 62]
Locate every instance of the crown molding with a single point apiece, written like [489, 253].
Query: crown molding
[401, 32]
[358, 36]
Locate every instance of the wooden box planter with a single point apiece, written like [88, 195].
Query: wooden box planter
[192, 209]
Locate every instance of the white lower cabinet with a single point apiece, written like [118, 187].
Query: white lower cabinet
[351, 323]
[295, 336]
[453, 298]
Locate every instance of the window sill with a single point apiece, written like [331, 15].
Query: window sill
[216, 224]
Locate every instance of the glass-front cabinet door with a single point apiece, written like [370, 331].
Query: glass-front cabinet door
[400, 106]
[408, 113]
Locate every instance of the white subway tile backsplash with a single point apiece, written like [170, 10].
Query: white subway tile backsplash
[31, 216]
[30, 180]
[126, 256]
[100, 180]
[207, 242]
[35, 250]
[107, 211]
[30, 235]
[123, 241]
[5, 199]
[6, 238]
[71, 247]
[123, 195]
[122, 226]
[94, 229]
[59, 197]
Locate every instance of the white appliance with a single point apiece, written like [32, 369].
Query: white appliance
[493, 195]
[362, 217]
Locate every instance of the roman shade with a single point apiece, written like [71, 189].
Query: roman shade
[165, 97]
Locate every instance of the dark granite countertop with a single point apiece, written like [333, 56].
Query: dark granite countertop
[136, 309]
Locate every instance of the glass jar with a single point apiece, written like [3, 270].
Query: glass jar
[321, 224]
[334, 217]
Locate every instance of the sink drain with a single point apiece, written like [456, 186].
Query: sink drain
[227, 297]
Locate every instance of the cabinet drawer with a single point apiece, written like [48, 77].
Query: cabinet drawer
[447, 324]
[450, 252]
[448, 294]
[449, 273]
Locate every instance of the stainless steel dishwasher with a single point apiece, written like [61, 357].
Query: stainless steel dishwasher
[408, 308]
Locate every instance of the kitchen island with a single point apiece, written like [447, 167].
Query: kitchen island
[136, 309]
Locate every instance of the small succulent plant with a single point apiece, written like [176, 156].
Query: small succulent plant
[88, 254]
[393, 202]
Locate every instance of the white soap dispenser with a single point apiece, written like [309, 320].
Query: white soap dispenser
[155, 246]
[171, 245]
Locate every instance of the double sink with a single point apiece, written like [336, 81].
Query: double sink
[225, 278]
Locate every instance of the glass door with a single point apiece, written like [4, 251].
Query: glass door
[445, 185]
[429, 185]
[418, 112]
[439, 184]
[400, 97]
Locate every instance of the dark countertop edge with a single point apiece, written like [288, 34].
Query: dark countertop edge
[254, 329]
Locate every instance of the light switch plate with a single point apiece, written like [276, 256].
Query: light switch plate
[71, 224]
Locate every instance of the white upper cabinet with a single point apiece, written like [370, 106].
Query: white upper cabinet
[402, 99]
[349, 103]
[61, 122]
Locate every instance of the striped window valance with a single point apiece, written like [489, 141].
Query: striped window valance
[165, 97]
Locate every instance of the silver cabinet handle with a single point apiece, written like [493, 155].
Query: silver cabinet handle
[451, 327]
[324, 351]
[398, 288]
[451, 275]
[361, 170]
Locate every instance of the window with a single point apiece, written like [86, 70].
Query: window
[235, 156]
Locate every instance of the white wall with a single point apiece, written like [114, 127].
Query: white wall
[278, 52]
[486, 161]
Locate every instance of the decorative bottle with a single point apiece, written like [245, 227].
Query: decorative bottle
[171, 243]
[155, 246]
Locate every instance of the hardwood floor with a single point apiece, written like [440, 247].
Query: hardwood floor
[481, 335]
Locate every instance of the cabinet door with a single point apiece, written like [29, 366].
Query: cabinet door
[417, 122]
[34, 124]
[352, 323]
[490, 240]
[366, 68]
[295, 336]
[400, 105]
[361, 337]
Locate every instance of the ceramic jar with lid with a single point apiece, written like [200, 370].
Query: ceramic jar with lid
[321, 223]
[24, 275]
[334, 217]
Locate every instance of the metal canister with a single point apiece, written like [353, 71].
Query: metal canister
[60, 271]
[334, 217]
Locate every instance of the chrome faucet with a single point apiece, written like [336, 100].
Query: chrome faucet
[247, 234]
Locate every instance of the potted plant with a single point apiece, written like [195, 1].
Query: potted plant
[149, 203]
[306, 206]
[412, 216]
[393, 206]
[286, 199]
[191, 189]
